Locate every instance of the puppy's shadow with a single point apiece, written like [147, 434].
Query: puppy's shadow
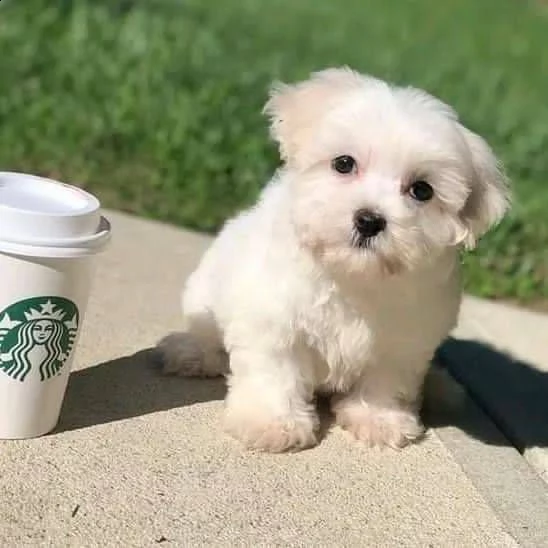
[127, 387]
[327, 419]
[513, 394]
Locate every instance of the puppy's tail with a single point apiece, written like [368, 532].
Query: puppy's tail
[186, 355]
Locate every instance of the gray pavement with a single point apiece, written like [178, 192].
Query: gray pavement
[139, 459]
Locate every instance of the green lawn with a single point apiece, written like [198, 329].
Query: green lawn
[154, 105]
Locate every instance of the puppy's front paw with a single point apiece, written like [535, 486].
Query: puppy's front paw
[378, 426]
[274, 435]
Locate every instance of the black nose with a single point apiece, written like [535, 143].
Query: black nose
[368, 224]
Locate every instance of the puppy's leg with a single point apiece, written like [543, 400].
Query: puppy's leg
[382, 408]
[268, 406]
[198, 351]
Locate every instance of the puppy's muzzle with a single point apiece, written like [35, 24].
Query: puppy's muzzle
[368, 224]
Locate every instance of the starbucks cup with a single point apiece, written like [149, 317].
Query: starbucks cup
[49, 233]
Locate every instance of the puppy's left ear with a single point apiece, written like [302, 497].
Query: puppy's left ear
[490, 197]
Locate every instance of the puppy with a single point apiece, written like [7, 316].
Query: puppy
[344, 277]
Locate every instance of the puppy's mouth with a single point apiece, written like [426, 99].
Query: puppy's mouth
[371, 248]
[359, 241]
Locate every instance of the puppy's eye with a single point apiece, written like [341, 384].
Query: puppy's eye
[421, 191]
[344, 164]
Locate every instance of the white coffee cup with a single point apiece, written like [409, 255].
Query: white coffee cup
[49, 233]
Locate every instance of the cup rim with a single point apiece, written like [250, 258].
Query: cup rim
[61, 248]
[92, 203]
[77, 241]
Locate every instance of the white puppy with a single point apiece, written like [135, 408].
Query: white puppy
[344, 278]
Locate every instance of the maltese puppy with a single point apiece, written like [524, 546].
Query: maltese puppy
[344, 278]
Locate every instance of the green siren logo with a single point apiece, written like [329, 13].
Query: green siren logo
[37, 335]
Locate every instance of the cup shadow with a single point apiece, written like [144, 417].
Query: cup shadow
[132, 386]
[127, 387]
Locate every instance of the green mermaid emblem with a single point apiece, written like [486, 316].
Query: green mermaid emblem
[37, 334]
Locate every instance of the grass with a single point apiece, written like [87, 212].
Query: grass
[154, 105]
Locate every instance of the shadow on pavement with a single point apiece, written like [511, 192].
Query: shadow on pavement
[512, 393]
[132, 386]
[129, 387]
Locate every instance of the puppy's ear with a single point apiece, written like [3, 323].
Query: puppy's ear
[294, 110]
[490, 196]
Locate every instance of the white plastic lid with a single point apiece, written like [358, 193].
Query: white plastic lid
[37, 214]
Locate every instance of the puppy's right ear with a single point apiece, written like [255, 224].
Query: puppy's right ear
[281, 109]
[295, 109]
[289, 110]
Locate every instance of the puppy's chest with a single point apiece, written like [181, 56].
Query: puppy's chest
[338, 331]
[347, 336]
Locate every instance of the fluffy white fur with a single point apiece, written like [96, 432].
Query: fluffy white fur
[287, 306]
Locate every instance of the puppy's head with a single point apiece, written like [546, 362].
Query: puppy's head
[382, 176]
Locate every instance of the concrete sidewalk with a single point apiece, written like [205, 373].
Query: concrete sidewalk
[138, 459]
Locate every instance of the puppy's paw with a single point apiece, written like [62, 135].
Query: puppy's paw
[273, 435]
[182, 355]
[378, 426]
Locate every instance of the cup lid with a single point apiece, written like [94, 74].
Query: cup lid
[43, 213]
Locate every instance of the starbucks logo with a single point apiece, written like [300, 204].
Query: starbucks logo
[37, 336]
